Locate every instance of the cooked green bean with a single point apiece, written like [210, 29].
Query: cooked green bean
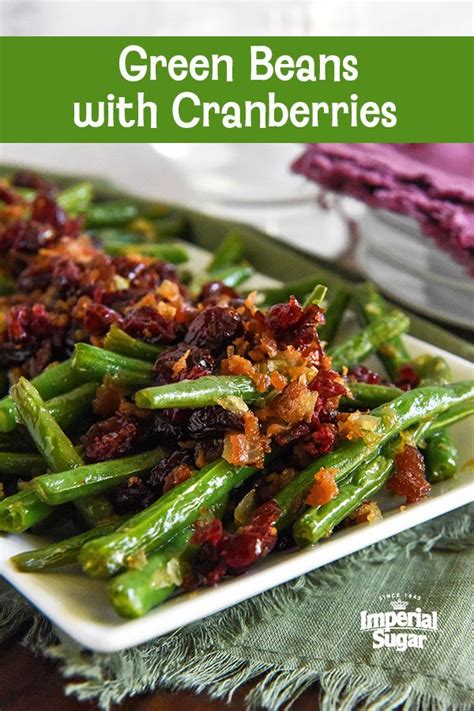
[92, 362]
[61, 553]
[55, 380]
[120, 342]
[441, 457]
[21, 511]
[173, 253]
[456, 413]
[316, 296]
[366, 396]
[333, 316]
[76, 199]
[356, 349]
[373, 306]
[13, 464]
[279, 294]
[136, 592]
[319, 522]
[431, 369]
[112, 212]
[92, 479]
[7, 285]
[71, 407]
[231, 251]
[208, 390]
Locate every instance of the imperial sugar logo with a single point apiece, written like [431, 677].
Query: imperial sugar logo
[401, 627]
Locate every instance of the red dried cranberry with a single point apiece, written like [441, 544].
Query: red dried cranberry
[291, 324]
[409, 476]
[111, 438]
[322, 440]
[207, 532]
[364, 375]
[214, 328]
[66, 276]
[327, 384]
[156, 478]
[166, 431]
[25, 323]
[145, 322]
[8, 196]
[213, 422]
[99, 318]
[281, 317]
[296, 431]
[26, 236]
[407, 378]
[254, 541]
[132, 496]
[28, 179]
[45, 209]
[199, 362]
[213, 290]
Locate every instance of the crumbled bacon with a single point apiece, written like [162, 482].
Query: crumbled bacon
[409, 479]
[324, 488]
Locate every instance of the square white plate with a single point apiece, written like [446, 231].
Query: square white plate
[79, 606]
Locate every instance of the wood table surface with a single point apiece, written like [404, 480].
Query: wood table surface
[31, 683]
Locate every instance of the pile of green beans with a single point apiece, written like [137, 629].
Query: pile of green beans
[145, 556]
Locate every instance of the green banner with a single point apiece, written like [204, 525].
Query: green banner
[199, 89]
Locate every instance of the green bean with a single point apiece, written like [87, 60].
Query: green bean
[56, 448]
[136, 592]
[373, 306]
[456, 413]
[92, 479]
[71, 407]
[76, 199]
[89, 361]
[319, 522]
[362, 344]
[366, 396]
[333, 316]
[279, 294]
[229, 252]
[431, 369]
[159, 523]
[398, 415]
[55, 380]
[166, 252]
[120, 342]
[208, 390]
[21, 511]
[441, 457]
[112, 212]
[316, 296]
[60, 553]
[232, 276]
[13, 464]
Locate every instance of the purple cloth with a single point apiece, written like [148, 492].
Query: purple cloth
[430, 182]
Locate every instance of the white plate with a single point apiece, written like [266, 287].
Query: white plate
[78, 605]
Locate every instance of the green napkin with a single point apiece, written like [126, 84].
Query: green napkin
[304, 632]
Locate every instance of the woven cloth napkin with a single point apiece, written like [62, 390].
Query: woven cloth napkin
[304, 632]
[431, 182]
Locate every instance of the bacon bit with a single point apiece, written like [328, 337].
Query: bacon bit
[107, 398]
[274, 482]
[249, 302]
[278, 381]
[324, 488]
[296, 403]
[180, 364]
[181, 473]
[166, 310]
[237, 365]
[248, 447]
[368, 512]
[169, 290]
[409, 477]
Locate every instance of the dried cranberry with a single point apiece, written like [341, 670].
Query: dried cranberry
[254, 541]
[28, 179]
[212, 290]
[36, 276]
[156, 478]
[322, 440]
[199, 362]
[207, 532]
[25, 324]
[26, 235]
[45, 209]
[111, 438]
[145, 322]
[8, 196]
[132, 496]
[66, 276]
[166, 431]
[213, 422]
[281, 317]
[364, 375]
[98, 319]
[407, 378]
[327, 384]
[293, 325]
[409, 476]
[214, 328]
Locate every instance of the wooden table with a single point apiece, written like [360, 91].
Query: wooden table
[31, 682]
